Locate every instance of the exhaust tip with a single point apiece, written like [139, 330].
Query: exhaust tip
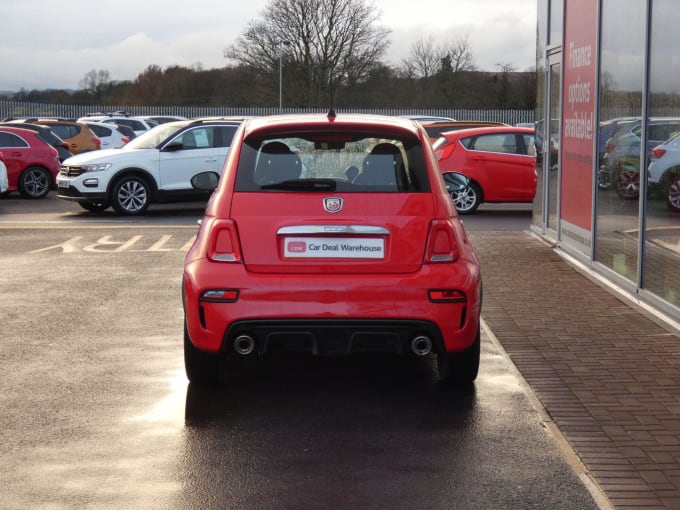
[244, 345]
[421, 345]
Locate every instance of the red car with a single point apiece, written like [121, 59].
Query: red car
[499, 161]
[330, 235]
[32, 165]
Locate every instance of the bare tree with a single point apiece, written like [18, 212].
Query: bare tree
[322, 43]
[96, 83]
[457, 56]
[423, 60]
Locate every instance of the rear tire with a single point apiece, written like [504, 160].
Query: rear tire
[673, 193]
[35, 182]
[468, 199]
[460, 368]
[201, 367]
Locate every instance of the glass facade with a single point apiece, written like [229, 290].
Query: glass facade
[622, 70]
[661, 250]
[636, 148]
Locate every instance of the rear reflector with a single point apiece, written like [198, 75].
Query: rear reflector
[220, 295]
[446, 296]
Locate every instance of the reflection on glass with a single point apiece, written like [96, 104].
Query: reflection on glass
[556, 22]
[541, 43]
[552, 153]
[661, 259]
[621, 80]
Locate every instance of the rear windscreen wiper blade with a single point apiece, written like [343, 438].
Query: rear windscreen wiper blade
[303, 185]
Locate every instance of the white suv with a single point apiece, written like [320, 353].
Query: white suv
[664, 172]
[154, 167]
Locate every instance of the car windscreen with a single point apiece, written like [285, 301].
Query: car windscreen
[332, 161]
[152, 138]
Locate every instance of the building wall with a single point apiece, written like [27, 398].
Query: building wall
[611, 85]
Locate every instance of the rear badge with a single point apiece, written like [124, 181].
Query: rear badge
[332, 204]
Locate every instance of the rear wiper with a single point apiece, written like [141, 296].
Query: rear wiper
[303, 185]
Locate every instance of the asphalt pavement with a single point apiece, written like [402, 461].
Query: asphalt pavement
[605, 370]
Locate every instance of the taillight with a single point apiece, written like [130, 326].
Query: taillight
[124, 139]
[444, 152]
[97, 141]
[441, 243]
[224, 244]
[658, 152]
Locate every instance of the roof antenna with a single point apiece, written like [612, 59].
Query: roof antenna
[331, 114]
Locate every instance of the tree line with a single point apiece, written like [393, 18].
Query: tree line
[310, 54]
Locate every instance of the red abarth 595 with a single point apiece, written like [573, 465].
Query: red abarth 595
[330, 235]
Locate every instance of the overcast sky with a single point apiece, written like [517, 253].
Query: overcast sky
[47, 44]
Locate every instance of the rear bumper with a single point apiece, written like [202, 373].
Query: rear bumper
[334, 314]
[332, 336]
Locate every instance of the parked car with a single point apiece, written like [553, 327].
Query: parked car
[137, 124]
[434, 129]
[427, 118]
[110, 137]
[32, 164]
[301, 257]
[47, 135]
[4, 182]
[76, 134]
[500, 162]
[154, 167]
[126, 131]
[664, 172]
[162, 119]
[621, 162]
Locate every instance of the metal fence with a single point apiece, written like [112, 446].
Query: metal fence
[15, 109]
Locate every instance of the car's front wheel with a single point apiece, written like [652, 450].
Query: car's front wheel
[131, 195]
[35, 182]
[467, 199]
[460, 368]
[201, 367]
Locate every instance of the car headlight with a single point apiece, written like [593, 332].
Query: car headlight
[98, 167]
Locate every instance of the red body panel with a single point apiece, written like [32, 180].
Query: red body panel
[502, 177]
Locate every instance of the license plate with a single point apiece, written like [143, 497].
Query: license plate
[62, 183]
[334, 248]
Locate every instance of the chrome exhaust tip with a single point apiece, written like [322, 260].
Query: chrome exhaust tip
[244, 345]
[421, 345]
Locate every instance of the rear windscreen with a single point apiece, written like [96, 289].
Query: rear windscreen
[333, 161]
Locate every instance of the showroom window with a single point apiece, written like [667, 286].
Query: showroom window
[622, 70]
[661, 251]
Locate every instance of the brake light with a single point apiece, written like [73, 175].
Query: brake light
[658, 152]
[224, 244]
[444, 152]
[441, 243]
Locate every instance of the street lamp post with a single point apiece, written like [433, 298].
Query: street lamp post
[280, 44]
